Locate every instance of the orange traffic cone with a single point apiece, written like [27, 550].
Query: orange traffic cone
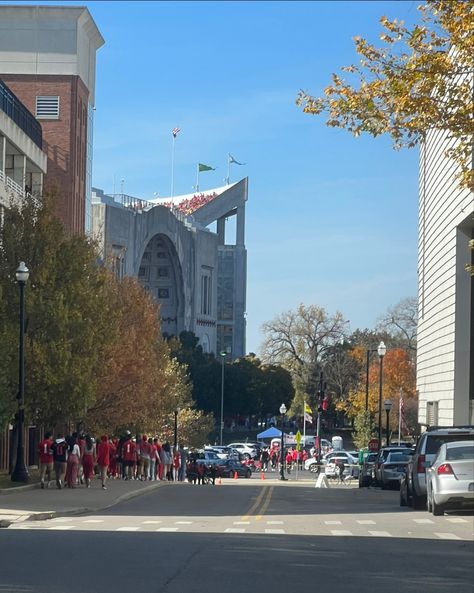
[236, 475]
[262, 475]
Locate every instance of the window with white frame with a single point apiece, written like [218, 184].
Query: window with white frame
[206, 293]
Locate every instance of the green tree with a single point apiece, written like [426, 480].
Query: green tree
[363, 429]
[420, 80]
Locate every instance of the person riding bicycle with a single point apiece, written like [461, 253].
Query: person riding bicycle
[340, 467]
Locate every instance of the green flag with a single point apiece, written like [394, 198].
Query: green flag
[202, 167]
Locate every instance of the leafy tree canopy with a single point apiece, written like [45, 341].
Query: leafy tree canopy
[419, 80]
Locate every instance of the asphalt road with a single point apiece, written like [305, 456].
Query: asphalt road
[243, 536]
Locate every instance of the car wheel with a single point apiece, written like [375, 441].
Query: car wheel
[246, 456]
[429, 506]
[313, 467]
[403, 500]
[418, 502]
[437, 509]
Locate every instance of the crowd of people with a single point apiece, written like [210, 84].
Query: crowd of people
[190, 205]
[76, 459]
[270, 459]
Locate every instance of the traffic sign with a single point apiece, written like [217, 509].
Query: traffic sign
[373, 445]
[298, 437]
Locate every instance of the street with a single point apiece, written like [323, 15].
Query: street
[243, 535]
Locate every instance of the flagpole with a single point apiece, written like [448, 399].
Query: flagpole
[400, 416]
[172, 165]
[197, 177]
[304, 423]
[228, 170]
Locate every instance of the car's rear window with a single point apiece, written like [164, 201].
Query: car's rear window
[394, 457]
[434, 442]
[458, 453]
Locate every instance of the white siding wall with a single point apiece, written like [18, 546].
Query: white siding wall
[444, 210]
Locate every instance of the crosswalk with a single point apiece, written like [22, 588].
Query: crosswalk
[331, 527]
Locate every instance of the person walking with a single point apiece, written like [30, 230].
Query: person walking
[59, 449]
[103, 459]
[144, 457]
[73, 460]
[182, 463]
[88, 460]
[153, 451]
[166, 460]
[45, 458]
[128, 456]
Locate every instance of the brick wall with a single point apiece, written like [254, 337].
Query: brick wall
[64, 139]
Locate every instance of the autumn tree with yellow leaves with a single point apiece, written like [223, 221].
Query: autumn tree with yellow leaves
[419, 80]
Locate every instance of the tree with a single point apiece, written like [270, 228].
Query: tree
[363, 429]
[420, 80]
[401, 322]
[298, 340]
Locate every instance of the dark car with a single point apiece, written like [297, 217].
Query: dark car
[366, 474]
[382, 457]
[229, 467]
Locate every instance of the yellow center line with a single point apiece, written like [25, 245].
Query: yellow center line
[264, 506]
[255, 504]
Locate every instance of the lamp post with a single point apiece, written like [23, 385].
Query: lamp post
[387, 404]
[282, 447]
[381, 350]
[176, 430]
[20, 472]
[223, 354]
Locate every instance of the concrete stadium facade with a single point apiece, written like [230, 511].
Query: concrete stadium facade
[198, 279]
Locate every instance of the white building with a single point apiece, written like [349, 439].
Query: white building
[445, 357]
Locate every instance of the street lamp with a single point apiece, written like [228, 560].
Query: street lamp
[223, 354]
[387, 404]
[176, 430]
[381, 350]
[20, 473]
[282, 451]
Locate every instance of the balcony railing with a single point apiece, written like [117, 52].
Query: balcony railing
[13, 185]
[23, 118]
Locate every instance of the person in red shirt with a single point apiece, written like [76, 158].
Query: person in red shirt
[113, 458]
[45, 458]
[289, 460]
[129, 457]
[103, 459]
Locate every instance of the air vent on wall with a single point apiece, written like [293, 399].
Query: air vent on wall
[47, 107]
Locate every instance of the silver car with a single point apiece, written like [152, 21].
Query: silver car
[450, 479]
[393, 467]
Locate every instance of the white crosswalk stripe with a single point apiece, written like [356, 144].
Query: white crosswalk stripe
[183, 522]
[380, 533]
[366, 522]
[167, 529]
[151, 522]
[275, 531]
[423, 521]
[447, 536]
[234, 530]
[241, 522]
[62, 527]
[127, 528]
[274, 522]
[340, 532]
[333, 522]
[94, 521]
[456, 520]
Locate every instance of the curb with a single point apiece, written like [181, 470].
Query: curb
[46, 515]
[6, 491]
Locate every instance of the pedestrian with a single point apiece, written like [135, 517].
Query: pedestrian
[103, 459]
[73, 460]
[88, 460]
[59, 449]
[201, 472]
[182, 463]
[159, 465]
[264, 459]
[144, 456]
[152, 469]
[176, 462]
[113, 468]
[166, 460]
[45, 458]
[128, 456]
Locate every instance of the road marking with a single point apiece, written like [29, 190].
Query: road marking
[423, 521]
[151, 522]
[265, 504]
[241, 522]
[275, 531]
[167, 529]
[62, 527]
[447, 536]
[63, 519]
[366, 522]
[274, 522]
[256, 503]
[333, 522]
[127, 528]
[234, 530]
[380, 533]
[94, 521]
[456, 520]
[340, 532]
[183, 522]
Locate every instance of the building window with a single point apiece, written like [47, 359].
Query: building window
[206, 295]
[163, 293]
[432, 413]
[144, 273]
[47, 107]
[161, 255]
[163, 272]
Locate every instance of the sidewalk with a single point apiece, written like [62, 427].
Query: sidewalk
[22, 504]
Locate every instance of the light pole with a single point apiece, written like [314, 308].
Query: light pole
[223, 354]
[381, 350]
[282, 447]
[176, 430]
[20, 473]
[387, 404]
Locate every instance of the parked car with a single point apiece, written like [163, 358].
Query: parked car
[381, 458]
[245, 449]
[223, 452]
[311, 464]
[393, 468]
[450, 479]
[331, 460]
[207, 457]
[228, 468]
[366, 472]
[413, 483]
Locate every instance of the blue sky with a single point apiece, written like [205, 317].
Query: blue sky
[331, 220]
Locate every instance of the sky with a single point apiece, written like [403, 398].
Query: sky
[331, 219]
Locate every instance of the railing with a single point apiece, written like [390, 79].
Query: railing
[13, 185]
[24, 119]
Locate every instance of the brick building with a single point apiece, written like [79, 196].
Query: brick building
[47, 59]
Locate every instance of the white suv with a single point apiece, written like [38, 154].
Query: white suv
[246, 450]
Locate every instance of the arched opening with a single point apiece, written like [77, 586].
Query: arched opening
[160, 274]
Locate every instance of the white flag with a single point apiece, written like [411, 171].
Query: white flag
[308, 418]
